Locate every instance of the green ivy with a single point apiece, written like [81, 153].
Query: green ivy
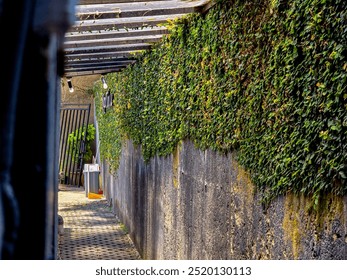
[266, 79]
[75, 138]
[108, 128]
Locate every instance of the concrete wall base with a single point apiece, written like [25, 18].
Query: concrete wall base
[198, 204]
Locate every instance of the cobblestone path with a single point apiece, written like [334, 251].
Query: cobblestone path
[91, 230]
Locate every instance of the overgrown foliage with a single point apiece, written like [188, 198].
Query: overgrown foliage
[76, 137]
[267, 79]
[109, 133]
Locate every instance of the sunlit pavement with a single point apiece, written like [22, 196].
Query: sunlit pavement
[91, 230]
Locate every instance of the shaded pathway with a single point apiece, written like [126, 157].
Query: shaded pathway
[91, 230]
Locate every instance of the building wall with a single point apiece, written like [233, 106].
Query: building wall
[82, 91]
[201, 205]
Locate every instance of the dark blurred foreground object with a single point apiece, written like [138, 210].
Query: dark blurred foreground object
[32, 61]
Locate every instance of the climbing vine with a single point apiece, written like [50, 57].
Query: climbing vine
[110, 136]
[266, 79]
[74, 141]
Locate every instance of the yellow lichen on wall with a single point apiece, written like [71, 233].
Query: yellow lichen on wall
[175, 167]
[301, 219]
[244, 181]
[243, 189]
[330, 207]
[291, 223]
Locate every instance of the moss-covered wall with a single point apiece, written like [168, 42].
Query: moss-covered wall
[198, 204]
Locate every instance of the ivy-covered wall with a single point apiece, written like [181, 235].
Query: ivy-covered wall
[266, 79]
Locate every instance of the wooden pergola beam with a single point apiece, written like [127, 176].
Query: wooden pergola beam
[98, 63]
[103, 55]
[91, 72]
[133, 23]
[93, 2]
[110, 33]
[101, 35]
[112, 14]
[108, 49]
[99, 67]
[112, 42]
[100, 59]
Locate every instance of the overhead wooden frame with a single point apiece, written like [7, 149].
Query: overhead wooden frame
[108, 34]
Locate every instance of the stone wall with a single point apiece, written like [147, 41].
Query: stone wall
[201, 205]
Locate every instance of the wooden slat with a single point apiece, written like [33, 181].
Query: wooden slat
[100, 35]
[92, 2]
[109, 33]
[103, 55]
[90, 72]
[98, 63]
[112, 42]
[112, 14]
[120, 23]
[97, 60]
[108, 49]
[139, 9]
[99, 67]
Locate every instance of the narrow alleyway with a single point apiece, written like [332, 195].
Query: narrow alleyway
[91, 230]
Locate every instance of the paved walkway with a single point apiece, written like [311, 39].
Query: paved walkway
[91, 230]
